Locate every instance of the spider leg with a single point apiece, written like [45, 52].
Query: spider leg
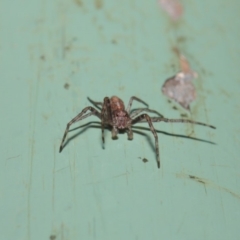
[130, 103]
[79, 117]
[106, 115]
[148, 119]
[130, 133]
[114, 133]
[136, 112]
[96, 104]
[160, 119]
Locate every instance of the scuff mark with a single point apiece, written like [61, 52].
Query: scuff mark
[98, 4]
[79, 2]
[207, 183]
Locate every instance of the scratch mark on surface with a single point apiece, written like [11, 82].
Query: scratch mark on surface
[33, 103]
[61, 169]
[125, 154]
[207, 182]
[53, 175]
[62, 231]
[106, 179]
[63, 35]
[13, 157]
[181, 223]
[30, 184]
[120, 175]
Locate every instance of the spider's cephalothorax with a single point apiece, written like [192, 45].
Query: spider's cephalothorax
[114, 114]
[120, 117]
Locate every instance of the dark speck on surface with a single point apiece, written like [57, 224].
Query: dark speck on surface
[145, 160]
[197, 179]
[191, 176]
[66, 86]
[42, 57]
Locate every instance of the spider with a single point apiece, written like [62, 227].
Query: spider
[114, 114]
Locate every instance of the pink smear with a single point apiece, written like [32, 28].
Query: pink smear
[172, 7]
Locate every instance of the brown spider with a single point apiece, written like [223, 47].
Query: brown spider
[114, 114]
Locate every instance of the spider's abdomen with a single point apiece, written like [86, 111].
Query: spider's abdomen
[116, 104]
[120, 119]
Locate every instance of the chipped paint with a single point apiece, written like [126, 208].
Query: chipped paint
[180, 87]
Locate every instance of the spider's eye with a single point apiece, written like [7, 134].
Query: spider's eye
[121, 114]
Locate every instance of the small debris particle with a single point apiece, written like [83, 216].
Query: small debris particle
[172, 7]
[144, 160]
[191, 176]
[42, 57]
[66, 86]
[52, 237]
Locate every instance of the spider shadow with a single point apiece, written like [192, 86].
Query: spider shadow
[150, 140]
[135, 129]
[84, 127]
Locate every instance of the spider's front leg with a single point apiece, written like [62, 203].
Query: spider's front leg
[130, 133]
[138, 111]
[148, 119]
[106, 116]
[79, 117]
[96, 104]
[130, 103]
[114, 132]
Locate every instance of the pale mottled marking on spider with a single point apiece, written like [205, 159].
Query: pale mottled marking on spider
[113, 113]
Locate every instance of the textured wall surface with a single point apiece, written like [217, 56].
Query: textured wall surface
[55, 54]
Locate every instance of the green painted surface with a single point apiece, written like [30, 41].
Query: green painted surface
[124, 48]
